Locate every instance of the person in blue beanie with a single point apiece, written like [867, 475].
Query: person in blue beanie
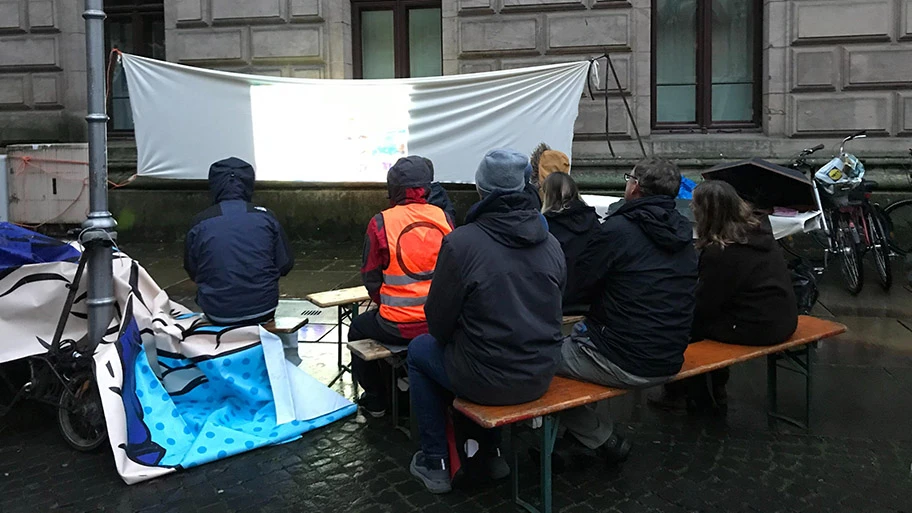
[494, 318]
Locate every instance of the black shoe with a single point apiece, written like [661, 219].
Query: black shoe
[493, 465]
[615, 450]
[569, 453]
[372, 405]
[481, 470]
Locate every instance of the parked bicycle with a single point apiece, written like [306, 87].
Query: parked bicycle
[851, 225]
[899, 219]
[63, 378]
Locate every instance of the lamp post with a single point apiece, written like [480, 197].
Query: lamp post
[98, 233]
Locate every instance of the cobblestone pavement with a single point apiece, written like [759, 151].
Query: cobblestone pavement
[857, 458]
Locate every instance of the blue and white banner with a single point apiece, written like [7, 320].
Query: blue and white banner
[177, 392]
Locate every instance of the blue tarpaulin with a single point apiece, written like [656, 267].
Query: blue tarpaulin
[19, 246]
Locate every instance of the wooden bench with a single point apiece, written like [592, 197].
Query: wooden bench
[348, 301]
[699, 358]
[370, 350]
[286, 328]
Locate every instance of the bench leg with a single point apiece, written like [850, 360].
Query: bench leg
[801, 362]
[345, 312]
[396, 363]
[548, 437]
[772, 407]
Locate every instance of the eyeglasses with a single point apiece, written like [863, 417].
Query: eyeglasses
[628, 177]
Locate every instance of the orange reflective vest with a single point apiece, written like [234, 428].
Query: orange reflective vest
[413, 233]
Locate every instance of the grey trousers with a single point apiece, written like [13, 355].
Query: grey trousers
[591, 424]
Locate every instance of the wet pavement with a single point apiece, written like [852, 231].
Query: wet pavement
[856, 458]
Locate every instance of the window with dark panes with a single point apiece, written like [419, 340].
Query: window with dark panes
[397, 38]
[706, 63]
[137, 27]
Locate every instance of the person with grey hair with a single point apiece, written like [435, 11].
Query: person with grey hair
[494, 319]
[639, 274]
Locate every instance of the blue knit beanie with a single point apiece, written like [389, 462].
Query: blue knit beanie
[501, 171]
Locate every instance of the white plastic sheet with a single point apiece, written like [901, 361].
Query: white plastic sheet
[783, 226]
[344, 130]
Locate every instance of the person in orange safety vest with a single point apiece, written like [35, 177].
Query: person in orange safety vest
[400, 253]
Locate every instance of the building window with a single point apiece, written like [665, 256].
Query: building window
[137, 27]
[397, 38]
[706, 63]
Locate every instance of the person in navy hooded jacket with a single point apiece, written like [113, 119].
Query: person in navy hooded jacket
[236, 251]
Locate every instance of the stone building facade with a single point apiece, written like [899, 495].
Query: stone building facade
[815, 69]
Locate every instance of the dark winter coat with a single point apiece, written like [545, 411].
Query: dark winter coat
[745, 293]
[439, 198]
[573, 227]
[531, 191]
[236, 251]
[495, 302]
[639, 273]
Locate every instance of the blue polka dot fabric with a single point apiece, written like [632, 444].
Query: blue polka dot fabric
[194, 410]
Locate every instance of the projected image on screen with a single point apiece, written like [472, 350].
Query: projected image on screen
[327, 133]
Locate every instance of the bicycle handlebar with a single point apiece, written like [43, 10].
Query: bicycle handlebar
[857, 135]
[807, 151]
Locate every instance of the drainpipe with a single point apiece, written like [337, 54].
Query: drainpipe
[98, 233]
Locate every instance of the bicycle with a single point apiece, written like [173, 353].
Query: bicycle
[63, 378]
[899, 219]
[851, 225]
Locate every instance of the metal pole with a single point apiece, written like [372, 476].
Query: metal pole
[4, 191]
[98, 234]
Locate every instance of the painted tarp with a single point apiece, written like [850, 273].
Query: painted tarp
[177, 392]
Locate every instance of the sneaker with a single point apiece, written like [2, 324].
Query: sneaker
[481, 470]
[372, 405]
[434, 474]
[615, 450]
[493, 465]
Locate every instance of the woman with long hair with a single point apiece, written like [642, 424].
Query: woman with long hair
[744, 294]
[571, 222]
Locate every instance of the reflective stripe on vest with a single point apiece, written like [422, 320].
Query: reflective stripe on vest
[414, 234]
[402, 301]
[391, 279]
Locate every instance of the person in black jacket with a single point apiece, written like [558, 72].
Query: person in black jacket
[639, 274]
[570, 220]
[236, 251]
[745, 294]
[493, 314]
[438, 195]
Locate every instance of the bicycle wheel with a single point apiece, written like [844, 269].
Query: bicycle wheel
[880, 247]
[899, 224]
[810, 247]
[80, 415]
[849, 257]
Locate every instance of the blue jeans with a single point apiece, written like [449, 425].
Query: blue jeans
[431, 394]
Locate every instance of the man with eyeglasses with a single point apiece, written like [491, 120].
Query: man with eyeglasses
[639, 274]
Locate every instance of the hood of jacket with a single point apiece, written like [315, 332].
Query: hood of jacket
[761, 236]
[510, 218]
[409, 181]
[657, 217]
[231, 179]
[577, 217]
